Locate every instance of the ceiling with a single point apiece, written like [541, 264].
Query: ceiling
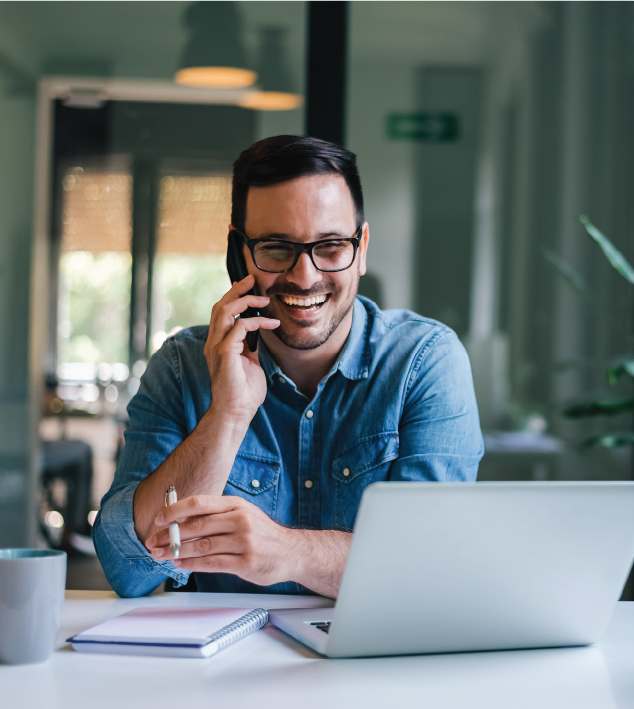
[144, 39]
[123, 39]
[435, 32]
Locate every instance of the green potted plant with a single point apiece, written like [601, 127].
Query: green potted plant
[622, 366]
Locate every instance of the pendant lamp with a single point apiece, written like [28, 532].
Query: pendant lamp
[215, 56]
[276, 88]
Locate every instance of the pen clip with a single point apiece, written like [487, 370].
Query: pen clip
[170, 490]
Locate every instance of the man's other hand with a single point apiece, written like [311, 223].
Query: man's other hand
[225, 534]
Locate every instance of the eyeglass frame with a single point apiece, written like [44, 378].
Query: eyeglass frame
[303, 248]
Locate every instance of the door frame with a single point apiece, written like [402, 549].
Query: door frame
[87, 92]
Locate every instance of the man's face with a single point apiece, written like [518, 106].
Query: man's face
[304, 210]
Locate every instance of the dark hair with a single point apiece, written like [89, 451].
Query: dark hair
[287, 157]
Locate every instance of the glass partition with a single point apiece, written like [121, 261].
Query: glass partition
[484, 131]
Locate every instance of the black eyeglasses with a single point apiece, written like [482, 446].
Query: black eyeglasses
[279, 256]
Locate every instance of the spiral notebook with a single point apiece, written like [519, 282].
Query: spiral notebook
[171, 632]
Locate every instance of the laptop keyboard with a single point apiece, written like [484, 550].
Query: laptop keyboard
[324, 626]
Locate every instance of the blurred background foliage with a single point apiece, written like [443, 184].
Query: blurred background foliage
[185, 289]
[94, 306]
[618, 371]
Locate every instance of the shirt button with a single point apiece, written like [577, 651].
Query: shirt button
[309, 414]
[346, 472]
[255, 483]
[281, 380]
[309, 484]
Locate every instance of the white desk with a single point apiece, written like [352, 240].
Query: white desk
[269, 669]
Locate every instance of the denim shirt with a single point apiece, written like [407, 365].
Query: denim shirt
[397, 405]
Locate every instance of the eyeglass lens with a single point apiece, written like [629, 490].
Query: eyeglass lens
[277, 256]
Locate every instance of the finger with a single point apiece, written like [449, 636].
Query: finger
[194, 528]
[236, 307]
[239, 288]
[228, 312]
[220, 563]
[205, 546]
[245, 285]
[194, 506]
[234, 340]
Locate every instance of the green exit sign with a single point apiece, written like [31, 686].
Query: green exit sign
[437, 127]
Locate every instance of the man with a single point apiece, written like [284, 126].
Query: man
[270, 451]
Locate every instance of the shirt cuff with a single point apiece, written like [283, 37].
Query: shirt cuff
[117, 521]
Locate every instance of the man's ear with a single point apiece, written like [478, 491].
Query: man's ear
[363, 248]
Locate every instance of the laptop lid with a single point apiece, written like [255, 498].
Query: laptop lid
[486, 566]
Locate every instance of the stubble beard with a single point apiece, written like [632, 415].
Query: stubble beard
[297, 341]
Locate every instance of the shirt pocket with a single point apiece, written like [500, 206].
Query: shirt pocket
[255, 479]
[365, 461]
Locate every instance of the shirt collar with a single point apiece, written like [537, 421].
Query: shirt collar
[267, 363]
[354, 360]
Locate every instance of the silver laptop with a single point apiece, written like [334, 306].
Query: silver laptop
[487, 566]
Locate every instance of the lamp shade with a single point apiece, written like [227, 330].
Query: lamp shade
[277, 90]
[215, 55]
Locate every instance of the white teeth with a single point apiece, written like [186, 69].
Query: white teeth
[303, 302]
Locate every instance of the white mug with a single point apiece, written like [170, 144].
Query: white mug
[32, 584]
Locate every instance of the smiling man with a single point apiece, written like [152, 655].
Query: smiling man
[270, 451]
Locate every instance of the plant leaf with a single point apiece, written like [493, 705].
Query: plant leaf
[611, 440]
[621, 366]
[572, 277]
[614, 256]
[600, 407]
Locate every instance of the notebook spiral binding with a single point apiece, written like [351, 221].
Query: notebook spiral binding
[249, 623]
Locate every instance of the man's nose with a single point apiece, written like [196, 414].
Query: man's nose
[304, 274]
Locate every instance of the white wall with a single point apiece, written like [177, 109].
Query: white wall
[566, 74]
[16, 158]
[387, 171]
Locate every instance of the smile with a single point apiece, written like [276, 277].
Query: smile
[306, 304]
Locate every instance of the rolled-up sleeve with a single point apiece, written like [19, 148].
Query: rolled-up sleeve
[439, 432]
[156, 428]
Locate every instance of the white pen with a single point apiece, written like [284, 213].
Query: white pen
[175, 535]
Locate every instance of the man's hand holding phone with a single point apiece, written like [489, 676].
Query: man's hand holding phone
[238, 383]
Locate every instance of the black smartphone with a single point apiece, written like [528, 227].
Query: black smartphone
[237, 268]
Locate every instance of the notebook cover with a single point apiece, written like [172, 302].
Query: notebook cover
[162, 626]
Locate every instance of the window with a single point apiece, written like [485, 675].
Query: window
[189, 273]
[93, 304]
